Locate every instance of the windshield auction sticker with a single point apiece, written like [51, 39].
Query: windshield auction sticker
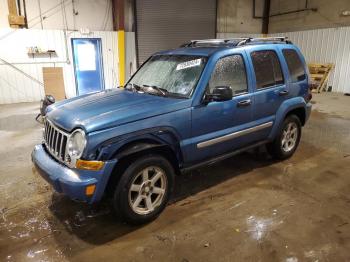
[188, 64]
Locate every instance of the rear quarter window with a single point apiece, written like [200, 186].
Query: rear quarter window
[295, 65]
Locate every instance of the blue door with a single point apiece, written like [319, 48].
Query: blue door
[270, 87]
[88, 68]
[217, 126]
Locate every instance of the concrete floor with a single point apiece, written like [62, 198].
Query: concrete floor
[247, 208]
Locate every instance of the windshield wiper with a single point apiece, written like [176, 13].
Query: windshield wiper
[134, 87]
[161, 91]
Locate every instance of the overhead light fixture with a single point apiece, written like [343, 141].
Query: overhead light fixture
[345, 13]
[84, 31]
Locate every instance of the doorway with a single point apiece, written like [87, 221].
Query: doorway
[88, 67]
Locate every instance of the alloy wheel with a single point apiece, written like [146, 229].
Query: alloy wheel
[147, 190]
[289, 137]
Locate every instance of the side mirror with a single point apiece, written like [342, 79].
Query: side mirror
[48, 100]
[220, 93]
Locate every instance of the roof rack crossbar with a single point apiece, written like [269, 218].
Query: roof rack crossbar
[212, 41]
[265, 39]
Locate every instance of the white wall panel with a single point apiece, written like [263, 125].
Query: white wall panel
[16, 87]
[329, 45]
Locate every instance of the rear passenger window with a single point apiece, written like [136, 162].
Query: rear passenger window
[267, 69]
[295, 66]
[229, 71]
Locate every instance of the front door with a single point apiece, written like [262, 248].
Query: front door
[216, 125]
[88, 69]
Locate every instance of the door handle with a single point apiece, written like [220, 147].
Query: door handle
[283, 93]
[244, 103]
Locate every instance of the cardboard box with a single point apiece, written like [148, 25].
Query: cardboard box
[54, 82]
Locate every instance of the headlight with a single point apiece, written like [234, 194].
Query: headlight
[76, 143]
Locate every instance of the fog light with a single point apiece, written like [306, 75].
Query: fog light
[89, 190]
[89, 165]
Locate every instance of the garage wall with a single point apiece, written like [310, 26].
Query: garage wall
[237, 16]
[237, 35]
[327, 15]
[22, 83]
[93, 14]
[130, 55]
[164, 25]
[329, 45]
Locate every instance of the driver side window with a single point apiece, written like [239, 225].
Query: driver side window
[230, 71]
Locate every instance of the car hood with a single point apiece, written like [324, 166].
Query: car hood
[110, 108]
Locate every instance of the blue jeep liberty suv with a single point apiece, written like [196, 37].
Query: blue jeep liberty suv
[183, 108]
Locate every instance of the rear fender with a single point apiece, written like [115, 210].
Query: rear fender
[285, 108]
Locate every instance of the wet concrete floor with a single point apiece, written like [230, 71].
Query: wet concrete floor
[247, 208]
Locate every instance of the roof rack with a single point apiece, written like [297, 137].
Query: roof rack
[232, 41]
[265, 39]
[236, 41]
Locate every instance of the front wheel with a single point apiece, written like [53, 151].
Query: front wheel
[287, 140]
[144, 189]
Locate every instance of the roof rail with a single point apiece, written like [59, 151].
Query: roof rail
[265, 39]
[235, 41]
[227, 41]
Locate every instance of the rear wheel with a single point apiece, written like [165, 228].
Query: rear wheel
[287, 140]
[144, 189]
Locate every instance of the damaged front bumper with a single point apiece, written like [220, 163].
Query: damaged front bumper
[71, 181]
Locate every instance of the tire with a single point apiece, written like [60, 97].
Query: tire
[144, 189]
[287, 139]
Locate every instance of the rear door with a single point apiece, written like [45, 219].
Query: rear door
[270, 87]
[298, 82]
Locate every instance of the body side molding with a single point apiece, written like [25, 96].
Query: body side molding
[233, 135]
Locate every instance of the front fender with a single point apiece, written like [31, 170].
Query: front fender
[284, 109]
[139, 141]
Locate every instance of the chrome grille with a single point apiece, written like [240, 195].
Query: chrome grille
[55, 140]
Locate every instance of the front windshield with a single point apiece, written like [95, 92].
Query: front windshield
[171, 74]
